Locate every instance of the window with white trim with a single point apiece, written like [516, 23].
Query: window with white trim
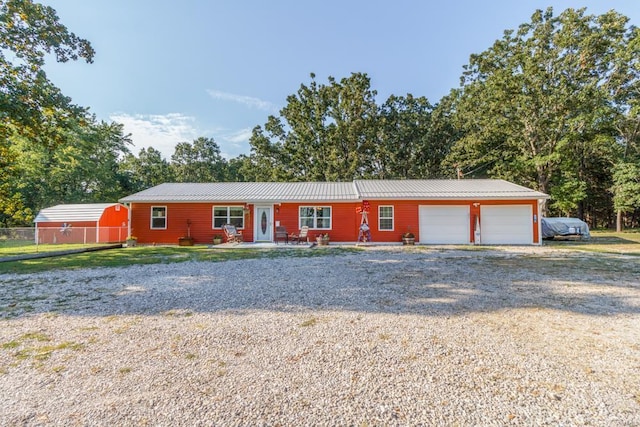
[315, 217]
[233, 215]
[158, 217]
[385, 218]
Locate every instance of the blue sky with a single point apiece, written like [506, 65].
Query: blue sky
[173, 71]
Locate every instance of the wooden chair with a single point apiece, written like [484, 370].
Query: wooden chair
[232, 234]
[281, 234]
[302, 236]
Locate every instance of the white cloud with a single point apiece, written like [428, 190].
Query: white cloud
[161, 132]
[244, 100]
[240, 136]
[235, 143]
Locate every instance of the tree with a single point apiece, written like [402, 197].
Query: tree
[198, 162]
[29, 31]
[537, 105]
[86, 169]
[414, 138]
[626, 188]
[30, 105]
[324, 133]
[147, 170]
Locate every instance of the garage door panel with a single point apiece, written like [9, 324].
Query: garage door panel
[506, 224]
[444, 224]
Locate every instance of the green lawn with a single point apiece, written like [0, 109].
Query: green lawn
[627, 243]
[22, 247]
[150, 255]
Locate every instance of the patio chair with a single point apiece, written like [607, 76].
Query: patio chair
[281, 234]
[302, 236]
[232, 234]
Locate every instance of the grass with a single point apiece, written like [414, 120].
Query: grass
[625, 243]
[22, 247]
[152, 255]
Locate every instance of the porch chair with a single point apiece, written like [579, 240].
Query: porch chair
[281, 234]
[302, 236]
[232, 234]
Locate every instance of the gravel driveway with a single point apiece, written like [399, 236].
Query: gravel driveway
[386, 336]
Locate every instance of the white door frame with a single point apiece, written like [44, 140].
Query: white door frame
[257, 223]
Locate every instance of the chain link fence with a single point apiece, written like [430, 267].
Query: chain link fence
[18, 234]
[63, 235]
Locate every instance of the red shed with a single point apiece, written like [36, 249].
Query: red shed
[82, 223]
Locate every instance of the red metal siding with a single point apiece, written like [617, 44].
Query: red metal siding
[345, 219]
[200, 215]
[114, 216]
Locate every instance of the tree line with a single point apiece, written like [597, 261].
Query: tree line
[552, 105]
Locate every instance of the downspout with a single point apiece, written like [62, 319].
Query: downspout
[128, 205]
[538, 218]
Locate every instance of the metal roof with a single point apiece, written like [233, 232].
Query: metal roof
[246, 192]
[256, 192]
[444, 189]
[70, 213]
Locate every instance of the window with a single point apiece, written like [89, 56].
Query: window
[318, 217]
[158, 217]
[228, 215]
[385, 218]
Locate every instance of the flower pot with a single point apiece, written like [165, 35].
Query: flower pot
[185, 241]
[131, 243]
[217, 241]
[408, 240]
[322, 241]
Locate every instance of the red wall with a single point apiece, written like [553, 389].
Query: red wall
[114, 216]
[200, 215]
[345, 220]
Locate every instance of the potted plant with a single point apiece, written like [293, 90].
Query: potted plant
[322, 239]
[186, 241]
[217, 239]
[408, 238]
[131, 241]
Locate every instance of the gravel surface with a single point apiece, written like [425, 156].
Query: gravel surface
[386, 336]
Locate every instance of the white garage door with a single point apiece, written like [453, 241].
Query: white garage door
[444, 224]
[510, 225]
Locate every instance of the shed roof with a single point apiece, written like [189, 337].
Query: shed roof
[265, 192]
[74, 212]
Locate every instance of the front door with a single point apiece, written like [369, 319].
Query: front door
[263, 224]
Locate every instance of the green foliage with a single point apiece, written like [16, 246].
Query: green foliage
[540, 106]
[147, 170]
[31, 106]
[626, 188]
[199, 161]
[84, 169]
[337, 132]
[28, 32]
[325, 133]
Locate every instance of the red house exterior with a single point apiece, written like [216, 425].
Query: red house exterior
[435, 211]
[82, 223]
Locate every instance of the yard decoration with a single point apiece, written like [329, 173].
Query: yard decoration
[186, 241]
[322, 239]
[408, 238]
